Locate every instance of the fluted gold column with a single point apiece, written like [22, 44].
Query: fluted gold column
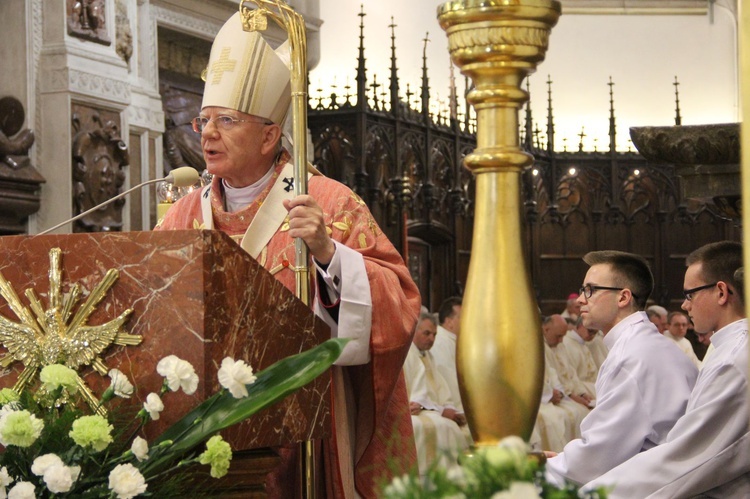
[497, 43]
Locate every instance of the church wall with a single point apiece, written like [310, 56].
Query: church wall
[53, 72]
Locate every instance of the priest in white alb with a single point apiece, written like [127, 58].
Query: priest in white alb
[439, 428]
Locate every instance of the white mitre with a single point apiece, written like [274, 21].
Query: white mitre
[245, 74]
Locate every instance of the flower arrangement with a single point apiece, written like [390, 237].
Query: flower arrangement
[56, 444]
[507, 471]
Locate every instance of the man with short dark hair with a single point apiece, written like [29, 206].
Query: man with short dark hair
[644, 384]
[707, 453]
[444, 349]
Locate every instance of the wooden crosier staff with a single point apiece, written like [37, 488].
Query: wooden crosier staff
[294, 24]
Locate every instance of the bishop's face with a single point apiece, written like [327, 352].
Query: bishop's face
[234, 151]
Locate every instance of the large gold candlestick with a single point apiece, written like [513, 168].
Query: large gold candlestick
[497, 43]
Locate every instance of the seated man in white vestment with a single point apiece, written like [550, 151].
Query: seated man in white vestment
[559, 418]
[643, 386]
[658, 315]
[554, 329]
[437, 423]
[707, 452]
[575, 344]
[444, 349]
[677, 327]
[593, 340]
[572, 307]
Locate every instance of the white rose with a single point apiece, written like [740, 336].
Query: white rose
[179, 374]
[153, 405]
[120, 383]
[60, 479]
[22, 490]
[44, 462]
[140, 448]
[126, 481]
[234, 375]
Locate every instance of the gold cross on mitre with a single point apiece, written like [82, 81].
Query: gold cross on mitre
[222, 65]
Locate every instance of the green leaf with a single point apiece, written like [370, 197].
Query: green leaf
[223, 410]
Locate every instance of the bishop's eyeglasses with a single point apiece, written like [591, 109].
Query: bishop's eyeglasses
[224, 122]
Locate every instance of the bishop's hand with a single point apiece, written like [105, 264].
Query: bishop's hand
[306, 221]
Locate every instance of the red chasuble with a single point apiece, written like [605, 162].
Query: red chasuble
[376, 399]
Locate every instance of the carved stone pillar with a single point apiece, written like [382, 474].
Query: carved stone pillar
[76, 69]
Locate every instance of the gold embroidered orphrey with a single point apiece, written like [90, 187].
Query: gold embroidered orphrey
[45, 337]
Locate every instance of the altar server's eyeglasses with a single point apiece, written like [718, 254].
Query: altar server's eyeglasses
[589, 289]
[223, 122]
[690, 293]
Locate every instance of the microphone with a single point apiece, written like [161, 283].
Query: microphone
[184, 176]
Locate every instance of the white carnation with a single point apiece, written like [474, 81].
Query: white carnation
[515, 443]
[120, 383]
[178, 373]
[126, 481]
[519, 490]
[5, 478]
[44, 462]
[60, 479]
[139, 448]
[153, 405]
[22, 490]
[234, 375]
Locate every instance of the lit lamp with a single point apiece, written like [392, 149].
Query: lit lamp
[500, 357]
[166, 195]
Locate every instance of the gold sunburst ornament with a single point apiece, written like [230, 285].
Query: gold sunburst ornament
[45, 337]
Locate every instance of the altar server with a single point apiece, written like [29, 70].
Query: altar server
[707, 453]
[643, 386]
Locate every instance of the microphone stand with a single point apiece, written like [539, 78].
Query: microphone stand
[178, 179]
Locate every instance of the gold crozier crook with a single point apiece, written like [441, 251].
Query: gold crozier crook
[294, 24]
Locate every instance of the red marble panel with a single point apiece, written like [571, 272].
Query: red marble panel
[194, 294]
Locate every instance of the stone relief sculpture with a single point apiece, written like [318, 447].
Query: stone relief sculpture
[124, 34]
[14, 151]
[99, 159]
[87, 20]
[19, 181]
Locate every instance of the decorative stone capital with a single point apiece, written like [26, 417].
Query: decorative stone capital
[706, 159]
